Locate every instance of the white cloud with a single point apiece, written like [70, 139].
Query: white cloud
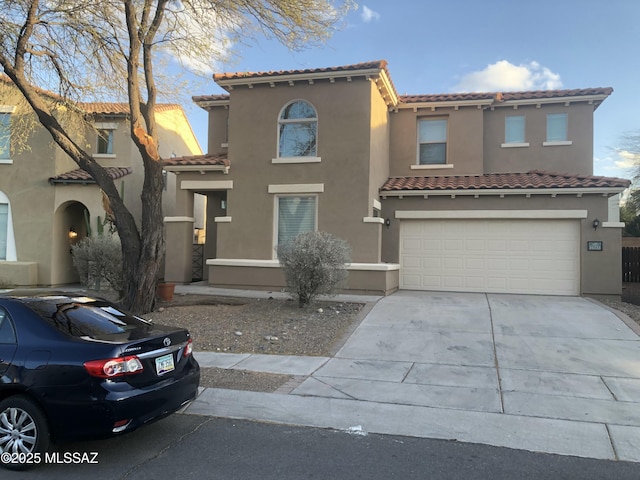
[619, 163]
[505, 76]
[369, 15]
[627, 159]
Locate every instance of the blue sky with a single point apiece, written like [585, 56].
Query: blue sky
[440, 46]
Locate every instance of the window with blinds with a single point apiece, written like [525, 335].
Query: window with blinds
[514, 129]
[556, 127]
[296, 215]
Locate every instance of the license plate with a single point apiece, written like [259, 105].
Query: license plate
[165, 364]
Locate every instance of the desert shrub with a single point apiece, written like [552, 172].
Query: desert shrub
[99, 259]
[314, 263]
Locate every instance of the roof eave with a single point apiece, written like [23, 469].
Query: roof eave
[54, 182]
[605, 191]
[596, 100]
[207, 104]
[228, 84]
[196, 168]
[446, 104]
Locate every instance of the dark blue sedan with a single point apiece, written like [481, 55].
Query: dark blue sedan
[76, 367]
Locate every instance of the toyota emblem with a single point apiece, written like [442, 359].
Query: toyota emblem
[167, 341]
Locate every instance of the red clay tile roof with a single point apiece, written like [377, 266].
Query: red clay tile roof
[80, 176]
[505, 96]
[379, 64]
[121, 108]
[104, 108]
[210, 98]
[446, 97]
[577, 92]
[501, 181]
[197, 160]
[409, 99]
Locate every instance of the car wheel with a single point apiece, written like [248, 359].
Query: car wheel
[24, 433]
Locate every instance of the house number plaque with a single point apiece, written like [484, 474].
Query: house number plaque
[594, 246]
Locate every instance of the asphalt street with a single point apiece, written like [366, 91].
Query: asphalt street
[200, 447]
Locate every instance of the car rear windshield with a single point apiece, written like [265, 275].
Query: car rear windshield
[83, 318]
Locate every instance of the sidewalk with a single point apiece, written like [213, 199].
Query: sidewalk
[545, 374]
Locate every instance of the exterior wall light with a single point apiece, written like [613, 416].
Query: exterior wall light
[387, 222]
[596, 224]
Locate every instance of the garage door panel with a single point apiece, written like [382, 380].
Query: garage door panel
[475, 263]
[518, 256]
[412, 261]
[475, 244]
[453, 282]
[497, 245]
[498, 265]
[431, 245]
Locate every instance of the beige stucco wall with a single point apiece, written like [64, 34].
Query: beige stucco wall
[464, 141]
[600, 271]
[272, 278]
[575, 158]
[176, 138]
[344, 142]
[217, 133]
[25, 183]
[43, 214]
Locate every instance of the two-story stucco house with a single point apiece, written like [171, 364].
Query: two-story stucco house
[46, 201]
[475, 192]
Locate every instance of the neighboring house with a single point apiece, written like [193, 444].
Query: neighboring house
[475, 192]
[45, 198]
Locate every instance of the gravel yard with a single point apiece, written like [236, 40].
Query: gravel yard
[267, 326]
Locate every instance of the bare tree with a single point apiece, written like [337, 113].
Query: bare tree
[89, 50]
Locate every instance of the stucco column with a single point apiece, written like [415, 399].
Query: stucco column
[179, 234]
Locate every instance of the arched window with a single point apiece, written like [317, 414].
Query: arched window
[297, 129]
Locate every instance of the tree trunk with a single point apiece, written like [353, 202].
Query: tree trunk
[142, 267]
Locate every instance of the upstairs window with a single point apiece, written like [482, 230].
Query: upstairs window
[105, 142]
[514, 129]
[557, 127]
[5, 135]
[297, 129]
[105, 138]
[432, 142]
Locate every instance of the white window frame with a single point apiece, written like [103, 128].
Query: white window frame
[10, 255]
[297, 159]
[7, 110]
[420, 143]
[552, 139]
[520, 142]
[111, 129]
[276, 216]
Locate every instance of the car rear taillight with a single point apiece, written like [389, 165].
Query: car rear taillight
[188, 348]
[114, 367]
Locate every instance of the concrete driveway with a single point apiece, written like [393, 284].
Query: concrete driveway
[552, 374]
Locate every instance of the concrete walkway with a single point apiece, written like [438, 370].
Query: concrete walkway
[546, 374]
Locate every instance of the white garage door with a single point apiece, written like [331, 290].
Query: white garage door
[510, 256]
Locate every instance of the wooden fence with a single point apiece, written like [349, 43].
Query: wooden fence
[631, 264]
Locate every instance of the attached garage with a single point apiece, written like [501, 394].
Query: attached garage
[533, 256]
